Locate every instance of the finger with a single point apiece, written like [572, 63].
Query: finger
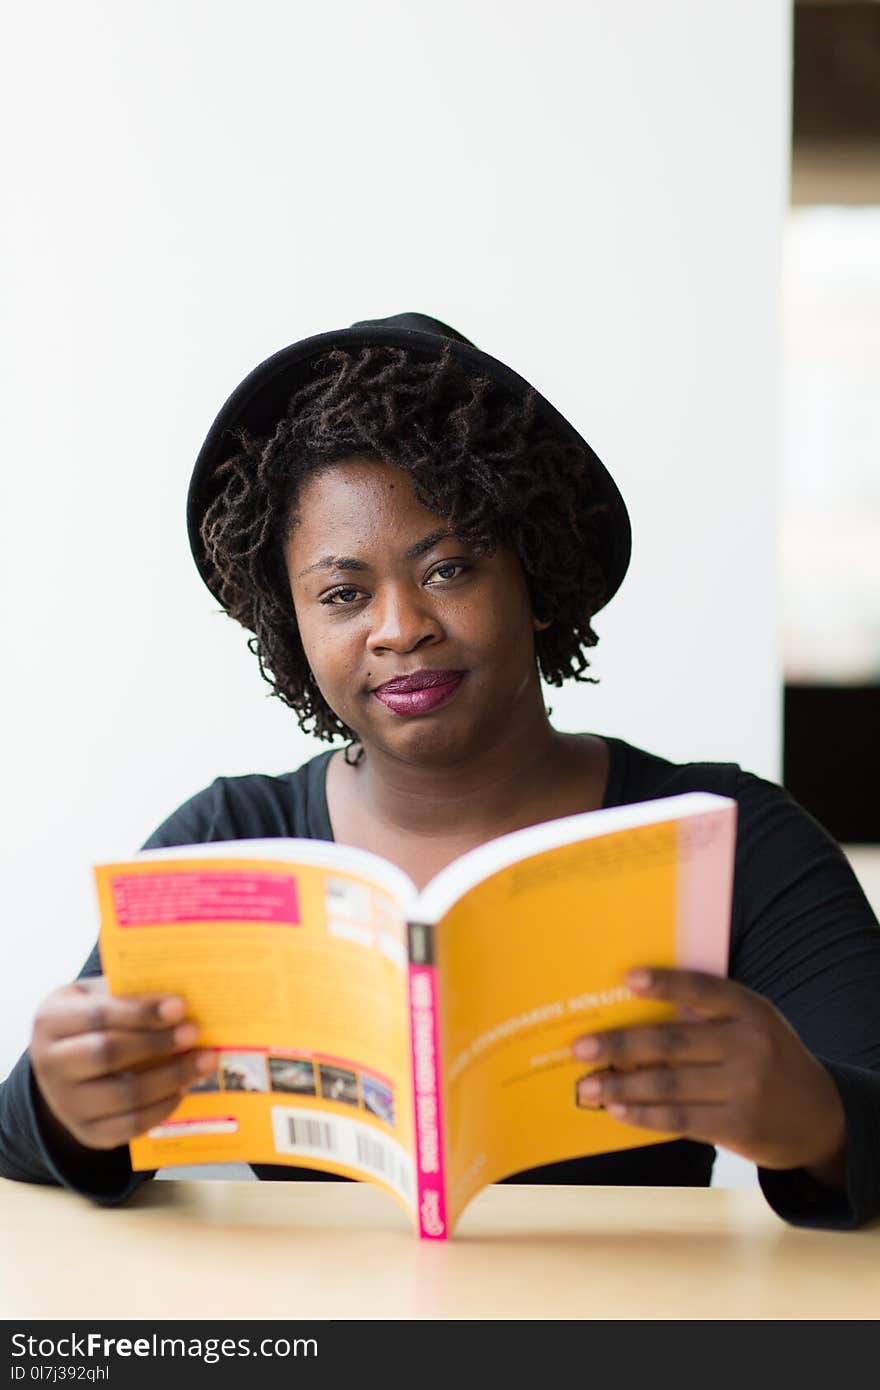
[87, 1056]
[704, 1085]
[128, 1092]
[121, 1129]
[711, 995]
[707, 1123]
[669, 1043]
[86, 1007]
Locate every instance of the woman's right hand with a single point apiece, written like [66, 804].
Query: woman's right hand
[109, 1068]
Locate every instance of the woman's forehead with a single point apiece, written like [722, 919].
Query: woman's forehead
[359, 493]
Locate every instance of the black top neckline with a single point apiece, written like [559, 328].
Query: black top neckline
[318, 812]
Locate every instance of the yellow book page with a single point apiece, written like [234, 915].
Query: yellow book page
[529, 960]
[298, 976]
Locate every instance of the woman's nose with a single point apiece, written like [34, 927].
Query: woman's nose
[402, 616]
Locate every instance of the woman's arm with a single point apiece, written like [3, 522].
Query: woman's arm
[781, 1062]
[807, 939]
[35, 1147]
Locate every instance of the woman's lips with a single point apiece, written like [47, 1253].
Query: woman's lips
[409, 702]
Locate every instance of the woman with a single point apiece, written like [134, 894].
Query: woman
[415, 536]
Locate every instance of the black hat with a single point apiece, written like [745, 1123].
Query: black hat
[259, 402]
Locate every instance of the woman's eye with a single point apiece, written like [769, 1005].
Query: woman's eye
[337, 593]
[449, 565]
[444, 571]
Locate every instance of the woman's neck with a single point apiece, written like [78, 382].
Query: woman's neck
[501, 788]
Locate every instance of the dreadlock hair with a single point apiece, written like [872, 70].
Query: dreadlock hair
[477, 456]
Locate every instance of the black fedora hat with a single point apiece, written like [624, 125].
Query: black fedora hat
[258, 403]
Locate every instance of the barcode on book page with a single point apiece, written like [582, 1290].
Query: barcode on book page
[373, 1153]
[311, 1134]
[319, 1134]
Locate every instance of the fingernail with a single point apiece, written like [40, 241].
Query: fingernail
[206, 1061]
[639, 979]
[170, 1010]
[586, 1049]
[591, 1089]
[186, 1034]
[618, 1111]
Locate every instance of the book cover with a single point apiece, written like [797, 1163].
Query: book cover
[421, 1041]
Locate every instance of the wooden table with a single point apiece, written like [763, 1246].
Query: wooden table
[321, 1250]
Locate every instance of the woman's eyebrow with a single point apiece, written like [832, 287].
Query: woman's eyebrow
[346, 562]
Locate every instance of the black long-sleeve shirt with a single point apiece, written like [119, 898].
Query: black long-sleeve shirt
[802, 934]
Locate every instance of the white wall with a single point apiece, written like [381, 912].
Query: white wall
[592, 191]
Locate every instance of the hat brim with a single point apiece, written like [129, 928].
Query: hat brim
[257, 404]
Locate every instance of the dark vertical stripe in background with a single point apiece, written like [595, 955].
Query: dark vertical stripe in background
[832, 757]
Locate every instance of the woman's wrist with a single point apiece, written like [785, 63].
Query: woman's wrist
[93, 1170]
[830, 1168]
[832, 1172]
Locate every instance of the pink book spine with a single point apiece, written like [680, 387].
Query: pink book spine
[427, 1096]
[706, 859]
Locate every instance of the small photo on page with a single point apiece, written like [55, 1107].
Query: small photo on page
[292, 1074]
[340, 1085]
[378, 1098]
[211, 1082]
[243, 1071]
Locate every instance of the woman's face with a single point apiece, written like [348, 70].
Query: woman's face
[380, 592]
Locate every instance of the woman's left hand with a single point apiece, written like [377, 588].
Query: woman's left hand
[738, 1076]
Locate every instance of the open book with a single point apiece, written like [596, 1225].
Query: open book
[421, 1041]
